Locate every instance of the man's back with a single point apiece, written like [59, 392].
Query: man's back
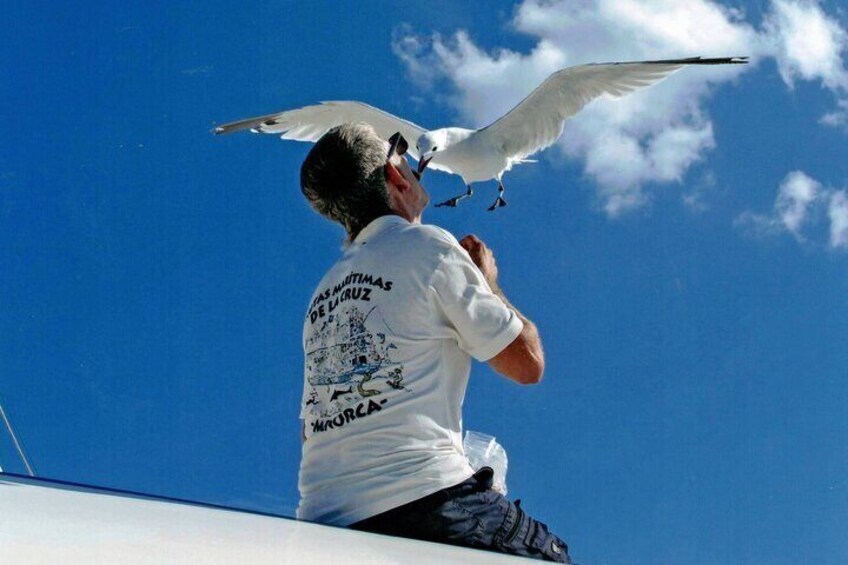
[388, 340]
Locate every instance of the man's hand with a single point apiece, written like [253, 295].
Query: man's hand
[482, 257]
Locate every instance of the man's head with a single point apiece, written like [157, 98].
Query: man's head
[346, 178]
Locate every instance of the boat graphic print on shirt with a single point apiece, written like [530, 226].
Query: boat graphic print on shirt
[349, 366]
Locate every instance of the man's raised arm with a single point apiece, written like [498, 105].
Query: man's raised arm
[523, 360]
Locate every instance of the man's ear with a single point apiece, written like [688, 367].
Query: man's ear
[394, 177]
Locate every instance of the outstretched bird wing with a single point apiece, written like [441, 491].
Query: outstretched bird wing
[537, 121]
[311, 122]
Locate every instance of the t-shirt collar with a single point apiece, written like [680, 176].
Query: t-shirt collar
[378, 226]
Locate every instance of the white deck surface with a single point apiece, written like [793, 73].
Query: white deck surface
[45, 523]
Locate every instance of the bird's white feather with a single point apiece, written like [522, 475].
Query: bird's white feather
[311, 122]
[538, 120]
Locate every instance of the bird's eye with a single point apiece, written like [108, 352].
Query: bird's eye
[435, 148]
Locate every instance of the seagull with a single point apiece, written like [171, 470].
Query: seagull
[487, 153]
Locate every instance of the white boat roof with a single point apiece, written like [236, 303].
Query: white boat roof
[53, 522]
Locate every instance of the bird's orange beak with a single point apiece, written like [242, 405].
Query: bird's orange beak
[422, 164]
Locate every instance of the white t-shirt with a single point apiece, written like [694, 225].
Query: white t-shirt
[388, 340]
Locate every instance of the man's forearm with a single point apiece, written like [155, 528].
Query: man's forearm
[529, 327]
[525, 352]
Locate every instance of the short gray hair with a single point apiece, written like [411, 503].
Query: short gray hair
[342, 176]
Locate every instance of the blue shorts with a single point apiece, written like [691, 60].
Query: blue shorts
[471, 514]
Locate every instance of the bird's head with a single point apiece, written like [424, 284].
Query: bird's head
[428, 144]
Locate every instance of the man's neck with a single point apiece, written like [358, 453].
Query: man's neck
[408, 215]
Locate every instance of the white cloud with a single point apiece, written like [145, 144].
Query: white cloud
[837, 212]
[837, 118]
[807, 44]
[696, 197]
[413, 51]
[630, 146]
[799, 209]
[592, 29]
[796, 194]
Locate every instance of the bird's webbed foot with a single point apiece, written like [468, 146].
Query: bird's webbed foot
[452, 202]
[449, 202]
[499, 201]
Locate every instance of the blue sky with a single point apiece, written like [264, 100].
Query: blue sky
[684, 252]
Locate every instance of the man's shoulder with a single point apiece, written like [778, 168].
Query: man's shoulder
[429, 235]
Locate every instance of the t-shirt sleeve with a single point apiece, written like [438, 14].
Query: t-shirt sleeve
[482, 324]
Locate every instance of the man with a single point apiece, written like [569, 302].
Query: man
[388, 340]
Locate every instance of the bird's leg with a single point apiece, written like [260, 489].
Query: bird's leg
[452, 201]
[499, 201]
